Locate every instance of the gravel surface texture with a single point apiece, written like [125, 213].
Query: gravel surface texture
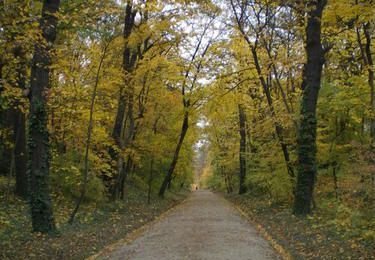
[205, 226]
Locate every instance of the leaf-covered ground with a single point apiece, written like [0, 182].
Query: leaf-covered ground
[311, 238]
[96, 226]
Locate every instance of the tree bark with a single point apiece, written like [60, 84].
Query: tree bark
[38, 140]
[128, 138]
[1, 76]
[242, 118]
[150, 179]
[3, 158]
[129, 60]
[168, 177]
[370, 64]
[7, 123]
[123, 176]
[151, 176]
[306, 140]
[225, 177]
[2, 146]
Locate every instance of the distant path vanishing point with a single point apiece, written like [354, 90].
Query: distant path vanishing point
[205, 227]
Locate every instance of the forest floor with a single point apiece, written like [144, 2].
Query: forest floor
[315, 237]
[95, 226]
[205, 226]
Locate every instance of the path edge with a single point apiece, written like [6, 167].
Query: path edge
[249, 217]
[136, 233]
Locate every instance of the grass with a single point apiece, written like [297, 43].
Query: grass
[304, 238]
[96, 226]
[342, 228]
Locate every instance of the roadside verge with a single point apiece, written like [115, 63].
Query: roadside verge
[136, 232]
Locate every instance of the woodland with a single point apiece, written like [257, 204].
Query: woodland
[113, 109]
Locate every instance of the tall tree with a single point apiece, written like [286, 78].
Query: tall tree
[85, 174]
[168, 178]
[126, 92]
[14, 59]
[306, 140]
[242, 120]
[252, 37]
[370, 68]
[189, 84]
[38, 140]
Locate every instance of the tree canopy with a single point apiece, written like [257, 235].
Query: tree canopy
[266, 97]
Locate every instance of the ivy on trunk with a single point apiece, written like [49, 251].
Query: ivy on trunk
[306, 140]
[38, 140]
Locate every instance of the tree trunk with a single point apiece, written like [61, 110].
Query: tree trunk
[126, 170]
[150, 179]
[335, 181]
[127, 66]
[370, 64]
[7, 123]
[123, 169]
[3, 158]
[13, 119]
[85, 175]
[129, 137]
[306, 140]
[226, 182]
[230, 183]
[278, 128]
[266, 89]
[242, 118]
[129, 60]
[168, 177]
[40, 201]
[1, 76]
[169, 186]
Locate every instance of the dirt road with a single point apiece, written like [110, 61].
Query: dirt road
[203, 227]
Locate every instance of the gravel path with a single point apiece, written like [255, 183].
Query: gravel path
[205, 226]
